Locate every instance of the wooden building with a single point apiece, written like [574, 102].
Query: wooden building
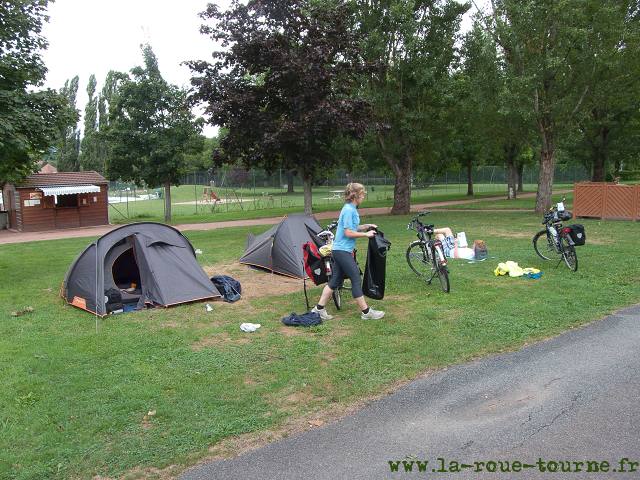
[49, 201]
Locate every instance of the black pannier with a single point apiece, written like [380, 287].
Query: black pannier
[576, 234]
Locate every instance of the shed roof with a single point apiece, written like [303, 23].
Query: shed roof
[63, 179]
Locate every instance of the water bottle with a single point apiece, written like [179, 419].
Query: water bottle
[553, 231]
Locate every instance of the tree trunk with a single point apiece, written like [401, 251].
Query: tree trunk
[290, 182]
[308, 197]
[511, 180]
[167, 200]
[401, 165]
[469, 180]
[547, 164]
[598, 166]
[520, 169]
[402, 192]
[599, 158]
[510, 154]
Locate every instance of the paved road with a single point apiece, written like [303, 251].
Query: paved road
[575, 398]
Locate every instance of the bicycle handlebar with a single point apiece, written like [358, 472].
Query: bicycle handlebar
[416, 219]
[332, 225]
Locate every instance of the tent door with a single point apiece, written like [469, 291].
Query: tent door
[126, 275]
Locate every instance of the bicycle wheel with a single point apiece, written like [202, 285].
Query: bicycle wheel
[544, 246]
[569, 255]
[441, 269]
[418, 258]
[337, 297]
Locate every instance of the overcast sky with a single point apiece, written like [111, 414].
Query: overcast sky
[89, 37]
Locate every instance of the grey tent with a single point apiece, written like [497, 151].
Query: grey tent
[142, 264]
[279, 249]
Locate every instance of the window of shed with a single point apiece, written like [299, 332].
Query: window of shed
[64, 201]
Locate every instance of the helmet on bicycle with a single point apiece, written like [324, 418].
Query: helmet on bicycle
[564, 216]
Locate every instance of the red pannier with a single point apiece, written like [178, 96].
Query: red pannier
[314, 264]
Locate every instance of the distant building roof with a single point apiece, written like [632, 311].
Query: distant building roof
[63, 179]
[48, 168]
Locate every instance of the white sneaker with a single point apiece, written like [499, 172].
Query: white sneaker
[323, 313]
[373, 314]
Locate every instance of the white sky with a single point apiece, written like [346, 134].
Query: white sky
[90, 37]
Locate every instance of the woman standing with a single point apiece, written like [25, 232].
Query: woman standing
[344, 265]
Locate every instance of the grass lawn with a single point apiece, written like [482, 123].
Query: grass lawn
[147, 394]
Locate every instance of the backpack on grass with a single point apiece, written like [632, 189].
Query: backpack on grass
[229, 288]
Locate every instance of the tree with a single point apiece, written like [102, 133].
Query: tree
[89, 147]
[282, 87]
[553, 54]
[68, 148]
[202, 160]
[239, 176]
[604, 130]
[151, 130]
[105, 99]
[30, 120]
[490, 124]
[415, 42]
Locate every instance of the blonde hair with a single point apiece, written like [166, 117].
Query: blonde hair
[479, 244]
[353, 191]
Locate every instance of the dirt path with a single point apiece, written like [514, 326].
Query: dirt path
[13, 236]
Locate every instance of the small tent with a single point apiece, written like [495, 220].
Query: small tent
[279, 249]
[144, 264]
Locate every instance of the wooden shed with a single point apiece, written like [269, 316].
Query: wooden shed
[49, 201]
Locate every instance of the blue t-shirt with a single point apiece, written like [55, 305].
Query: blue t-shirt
[349, 218]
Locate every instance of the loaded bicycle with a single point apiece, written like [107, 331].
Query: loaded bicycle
[426, 256]
[555, 241]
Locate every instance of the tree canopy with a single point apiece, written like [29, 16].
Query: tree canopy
[30, 120]
[415, 42]
[555, 54]
[283, 88]
[151, 130]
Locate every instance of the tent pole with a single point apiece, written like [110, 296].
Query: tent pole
[96, 308]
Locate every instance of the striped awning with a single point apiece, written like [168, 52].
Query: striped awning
[68, 190]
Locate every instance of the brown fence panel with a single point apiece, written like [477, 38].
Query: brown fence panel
[606, 201]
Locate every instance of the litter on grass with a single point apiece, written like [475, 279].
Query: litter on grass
[249, 327]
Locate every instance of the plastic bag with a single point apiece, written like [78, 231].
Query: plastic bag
[376, 266]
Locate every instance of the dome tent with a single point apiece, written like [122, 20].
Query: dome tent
[144, 264]
[279, 249]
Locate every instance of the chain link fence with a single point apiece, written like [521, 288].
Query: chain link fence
[230, 186]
